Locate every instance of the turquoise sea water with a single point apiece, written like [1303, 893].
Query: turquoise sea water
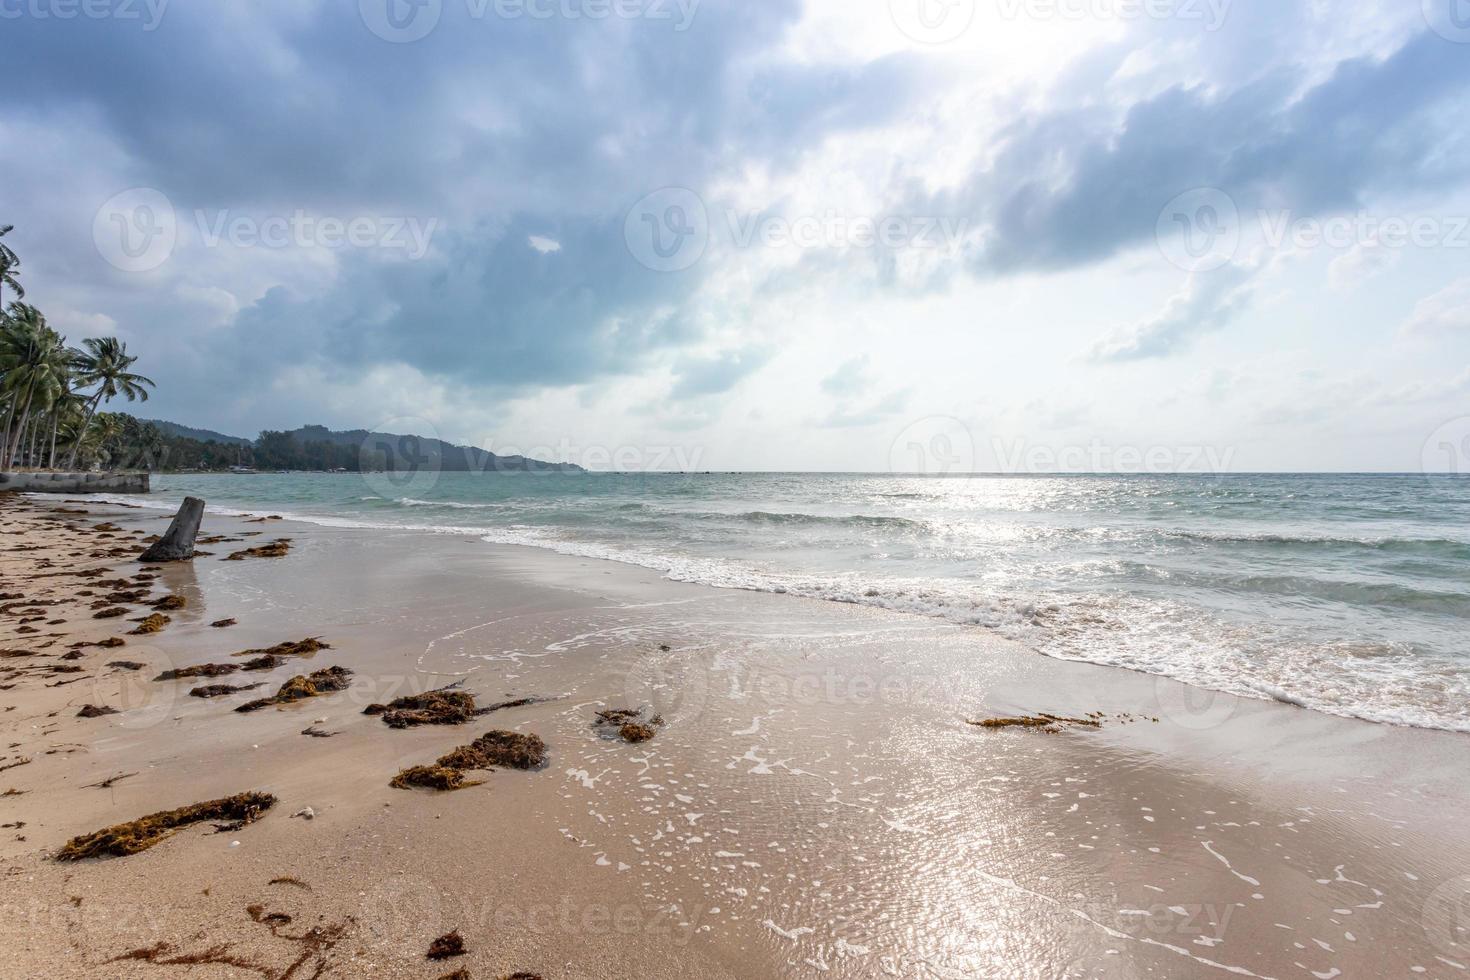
[1347, 594]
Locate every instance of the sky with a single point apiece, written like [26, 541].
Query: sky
[940, 235]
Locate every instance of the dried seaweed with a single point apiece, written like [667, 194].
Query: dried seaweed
[275, 549]
[221, 690]
[446, 946]
[443, 707]
[300, 688]
[93, 711]
[290, 648]
[139, 835]
[152, 623]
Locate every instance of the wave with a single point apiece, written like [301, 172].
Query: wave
[1174, 637]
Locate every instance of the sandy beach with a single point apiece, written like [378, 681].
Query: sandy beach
[815, 801]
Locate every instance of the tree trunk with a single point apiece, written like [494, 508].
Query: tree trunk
[55, 425]
[71, 461]
[13, 450]
[177, 544]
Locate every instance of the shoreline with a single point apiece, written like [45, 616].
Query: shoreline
[680, 570]
[843, 813]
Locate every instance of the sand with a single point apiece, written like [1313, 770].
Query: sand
[814, 802]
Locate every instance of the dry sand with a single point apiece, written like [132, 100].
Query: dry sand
[814, 804]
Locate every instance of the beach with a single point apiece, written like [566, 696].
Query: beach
[814, 802]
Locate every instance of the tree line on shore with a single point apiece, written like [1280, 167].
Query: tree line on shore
[51, 394]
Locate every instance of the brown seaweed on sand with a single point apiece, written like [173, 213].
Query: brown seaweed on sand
[220, 624]
[125, 664]
[511, 750]
[274, 549]
[300, 688]
[93, 711]
[221, 690]
[111, 613]
[450, 944]
[443, 707]
[1051, 724]
[629, 725]
[199, 670]
[291, 648]
[152, 623]
[139, 835]
[170, 602]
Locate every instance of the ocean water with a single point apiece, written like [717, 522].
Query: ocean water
[1348, 594]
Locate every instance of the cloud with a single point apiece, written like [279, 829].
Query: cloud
[1207, 303]
[716, 374]
[1084, 180]
[852, 377]
[1445, 312]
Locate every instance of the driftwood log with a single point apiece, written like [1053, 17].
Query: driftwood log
[178, 543]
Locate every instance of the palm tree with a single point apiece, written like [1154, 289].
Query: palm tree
[105, 363]
[34, 360]
[9, 263]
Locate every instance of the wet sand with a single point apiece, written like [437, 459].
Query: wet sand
[814, 805]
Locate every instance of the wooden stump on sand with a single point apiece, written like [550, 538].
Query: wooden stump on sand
[178, 543]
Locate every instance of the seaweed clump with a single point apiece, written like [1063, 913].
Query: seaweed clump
[451, 944]
[300, 688]
[141, 834]
[152, 623]
[275, 549]
[290, 648]
[220, 690]
[93, 711]
[1050, 724]
[220, 624]
[630, 726]
[170, 602]
[511, 750]
[434, 708]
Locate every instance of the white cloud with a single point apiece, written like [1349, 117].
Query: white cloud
[1447, 311]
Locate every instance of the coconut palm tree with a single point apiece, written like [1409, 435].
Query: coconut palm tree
[9, 263]
[34, 360]
[105, 363]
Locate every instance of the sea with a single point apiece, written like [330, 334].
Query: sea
[1347, 594]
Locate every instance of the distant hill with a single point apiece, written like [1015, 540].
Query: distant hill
[317, 448]
[201, 435]
[325, 448]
